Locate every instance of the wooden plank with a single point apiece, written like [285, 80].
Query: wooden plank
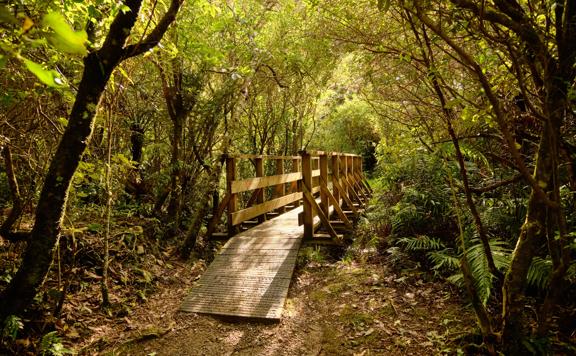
[352, 191]
[324, 200]
[344, 196]
[268, 206]
[262, 245]
[263, 182]
[251, 156]
[246, 274]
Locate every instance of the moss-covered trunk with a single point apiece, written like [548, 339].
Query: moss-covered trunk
[534, 230]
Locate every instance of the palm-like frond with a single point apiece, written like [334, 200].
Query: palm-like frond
[420, 243]
[483, 278]
[444, 260]
[539, 273]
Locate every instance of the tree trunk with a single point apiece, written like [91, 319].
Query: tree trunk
[17, 205]
[532, 233]
[175, 203]
[51, 205]
[204, 208]
[98, 66]
[137, 141]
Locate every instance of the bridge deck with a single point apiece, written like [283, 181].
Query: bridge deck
[251, 275]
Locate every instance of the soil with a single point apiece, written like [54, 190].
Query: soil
[333, 308]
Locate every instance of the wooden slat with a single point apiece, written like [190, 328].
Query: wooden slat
[252, 275]
[262, 182]
[268, 206]
[250, 156]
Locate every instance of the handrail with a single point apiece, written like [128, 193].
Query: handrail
[324, 182]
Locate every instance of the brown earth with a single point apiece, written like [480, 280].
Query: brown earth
[338, 308]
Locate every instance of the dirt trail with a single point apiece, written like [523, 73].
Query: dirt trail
[333, 309]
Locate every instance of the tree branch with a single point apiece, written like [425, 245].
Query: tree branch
[499, 114]
[513, 19]
[496, 185]
[156, 35]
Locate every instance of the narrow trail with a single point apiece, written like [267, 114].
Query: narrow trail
[332, 309]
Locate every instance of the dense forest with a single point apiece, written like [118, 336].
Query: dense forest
[115, 116]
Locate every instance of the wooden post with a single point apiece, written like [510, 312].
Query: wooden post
[233, 200]
[259, 163]
[280, 189]
[295, 168]
[351, 178]
[336, 175]
[315, 164]
[307, 182]
[324, 202]
[344, 173]
[351, 170]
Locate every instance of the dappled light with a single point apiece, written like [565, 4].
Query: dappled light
[288, 177]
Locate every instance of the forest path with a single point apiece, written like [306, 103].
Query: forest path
[332, 309]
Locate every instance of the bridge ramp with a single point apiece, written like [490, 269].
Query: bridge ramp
[251, 275]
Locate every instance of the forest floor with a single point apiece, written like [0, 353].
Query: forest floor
[333, 308]
[352, 304]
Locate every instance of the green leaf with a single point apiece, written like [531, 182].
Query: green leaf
[64, 37]
[48, 77]
[3, 60]
[124, 9]
[63, 121]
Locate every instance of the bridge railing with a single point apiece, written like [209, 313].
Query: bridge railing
[326, 183]
[343, 191]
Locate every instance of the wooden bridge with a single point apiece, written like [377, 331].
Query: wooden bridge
[313, 197]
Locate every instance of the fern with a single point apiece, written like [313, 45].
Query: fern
[444, 260]
[539, 273]
[420, 243]
[404, 217]
[51, 345]
[540, 270]
[483, 278]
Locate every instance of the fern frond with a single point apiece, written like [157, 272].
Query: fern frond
[420, 243]
[457, 279]
[444, 260]
[483, 278]
[539, 273]
[480, 271]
